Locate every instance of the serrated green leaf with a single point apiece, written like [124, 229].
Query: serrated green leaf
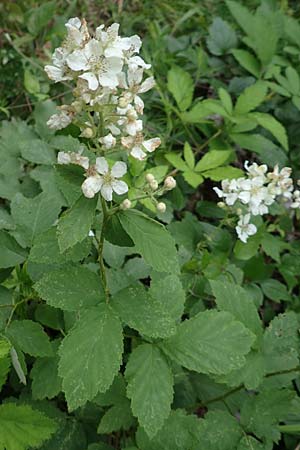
[210, 342]
[197, 114]
[235, 300]
[90, 355]
[176, 161]
[271, 124]
[261, 413]
[150, 387]
[189, 155]
[213, 159]
[225, 99]
[118, 417]
[74, 225]
[11, 252]
[221, 37]
[251, 98]
[4, 370]
[144, 313]
[170, 293]
[70, 288]
[22, 427]
[181, 86]
[30, 337]
[151, 240]
[38, 152]
[250, 443]
[193, 178]
[248, 61]
[34, 215]
[275, 290]
[222, 173]
[179, 432]
[45, 249]
[45, 380]
[219, 430]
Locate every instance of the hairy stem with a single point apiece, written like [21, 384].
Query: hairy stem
[100, 252]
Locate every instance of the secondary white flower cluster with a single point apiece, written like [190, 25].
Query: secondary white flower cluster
[109, 80]
[257, 191]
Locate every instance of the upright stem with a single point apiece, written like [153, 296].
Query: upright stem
[100, 252]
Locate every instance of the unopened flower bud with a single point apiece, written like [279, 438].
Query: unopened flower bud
[77, 106]
[161, 207]
[126, 204]
[87, 133]
[150, 177]
[123, 102]
[170, 183]
[221, 204]
[239, 211]
[154, 185]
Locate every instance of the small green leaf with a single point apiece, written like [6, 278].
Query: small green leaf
[118, 417]
[275, 290]
[189, 155]
[225, 99]
[222, 37]
[248, 61]
[75, 224]
[293, 79]
[271, 124]
[181, 86]
[45, 380]
[151, 240]
[193, 178]
[11, 252]
[30, 337]
[251, 98]
[222, 173]
[150, 387]
[176, 161]
[212, 159]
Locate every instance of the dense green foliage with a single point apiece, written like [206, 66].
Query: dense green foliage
[191, 339]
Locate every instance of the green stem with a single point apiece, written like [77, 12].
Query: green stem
[205, 144]
[239, 388]
[100, 251]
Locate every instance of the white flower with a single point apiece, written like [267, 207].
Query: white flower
[135, 86]
[59, 121]
[255, 170]
[57, 71]
[130, 120]
[108, 141]
[296, 200]
[104, 180]
[137, 145]
[77, 33]
[245, 229]
[73, 158]
[113, 44]
[99, 69]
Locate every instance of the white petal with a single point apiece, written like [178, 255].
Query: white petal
[219, 192]
[91, 79]
[133, 127]
[108, 80]
[63, 158]
[119, 187]
[251, 229]
[101, 165]
[244, 196]
[93, 48]
[135, 43]
[106, 192]
[115, 64]
[73, 22]
[139, 104]
[119, 169]
[77, 61]
[147, 85]
[135, 76]
[91, 186]
[151, 144]
[54, 73]
[138, 61]
[138, 153]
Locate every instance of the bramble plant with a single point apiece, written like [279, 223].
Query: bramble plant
[143, 306]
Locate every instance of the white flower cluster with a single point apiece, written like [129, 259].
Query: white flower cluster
[256, 192]
[109, 80]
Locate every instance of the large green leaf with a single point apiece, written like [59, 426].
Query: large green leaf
[234, 299]
[151, 240]
[34, 215]
[22, 427]
[143, 312]
[181, 86]
[271, 124]
[75, 224]
[70, 288]
[90, 355]
[150, 387]
[170, 293]
[211, 342]
[30, 337]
